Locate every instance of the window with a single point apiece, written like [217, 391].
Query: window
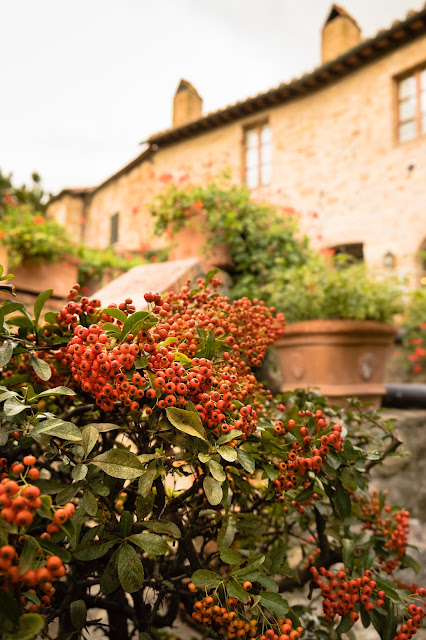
[113, 234]
[412, 106]
[355, 250]
[257, 155]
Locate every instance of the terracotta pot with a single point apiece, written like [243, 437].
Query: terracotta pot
[191, 238]
[343, 358]
[34, 277]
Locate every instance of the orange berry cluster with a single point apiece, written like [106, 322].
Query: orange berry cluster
[235, 621]
[343, 595]
[20, 500]
[393, 526]
[309, 455]
[70, 314]
[411, 625]
[20, 364]
[37, 582]
[173, 375]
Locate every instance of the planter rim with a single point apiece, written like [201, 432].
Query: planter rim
[335, 325]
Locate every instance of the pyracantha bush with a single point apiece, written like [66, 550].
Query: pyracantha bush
[146, 473]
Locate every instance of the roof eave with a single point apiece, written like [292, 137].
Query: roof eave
[354, 58]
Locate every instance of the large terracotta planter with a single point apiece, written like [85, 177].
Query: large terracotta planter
[33, 277]
[342, 358]
[191, 238]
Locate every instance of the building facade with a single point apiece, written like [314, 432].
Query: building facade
[344, 146]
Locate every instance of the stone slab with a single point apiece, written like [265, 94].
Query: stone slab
[158, 277]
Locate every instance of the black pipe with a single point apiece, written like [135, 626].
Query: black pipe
[405, 396]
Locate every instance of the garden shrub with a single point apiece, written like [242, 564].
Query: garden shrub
[258, 238]
[140, 453]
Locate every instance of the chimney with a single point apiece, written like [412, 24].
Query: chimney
[187, 104]
[339, 34]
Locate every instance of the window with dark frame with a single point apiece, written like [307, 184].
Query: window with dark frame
[257, 155]
[113, 238]
[411, 91]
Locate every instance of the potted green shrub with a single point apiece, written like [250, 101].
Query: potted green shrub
[33, 244]
[339, 327]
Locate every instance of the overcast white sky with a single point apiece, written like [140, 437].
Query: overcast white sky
[85, 81]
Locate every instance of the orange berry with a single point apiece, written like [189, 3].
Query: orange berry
[29, 461]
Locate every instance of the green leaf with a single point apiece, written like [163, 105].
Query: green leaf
[391, 624]
[115, 313]
[204, 457]
[163, 526]
[342, 502]
[146, 479]
[235, 590]
[79, 472]
[229, 556]
[31, 596]
[126, 523]
[93, 549]
[227, 437]
[56, 391]
[90, 437]
[15, 380]
[277, 556]
[227, 453]
[141, 363]
[6, 352]
[130, 569]
[213, 490]
[345, 624]
[226, 534]
[216, 470]
[109, 327]
[409, 561]
[28, 555]
[54, 549]
[119, 464]
[110, 581]
[144, 506]
[134, 323]
[181, 357]
[150, 543]
[9, 612]
[30, 625]
[186, 421]
[365, 617]
[41, 300]
[147, 457]
[68, 492]
[252, 563]
[41, 368]
[103, 427]
[13, 406]
[78, 612]
[306, 493]
[389, 588]
[90, 504]
[10, 306]
[274, 602]
[246, 461]
[348, 552]
[59, 429]
[204, 578]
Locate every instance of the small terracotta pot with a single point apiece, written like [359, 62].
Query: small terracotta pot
[34, 277]
[342, 358]
[191, 238]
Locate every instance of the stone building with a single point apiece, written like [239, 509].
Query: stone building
[343, 145]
